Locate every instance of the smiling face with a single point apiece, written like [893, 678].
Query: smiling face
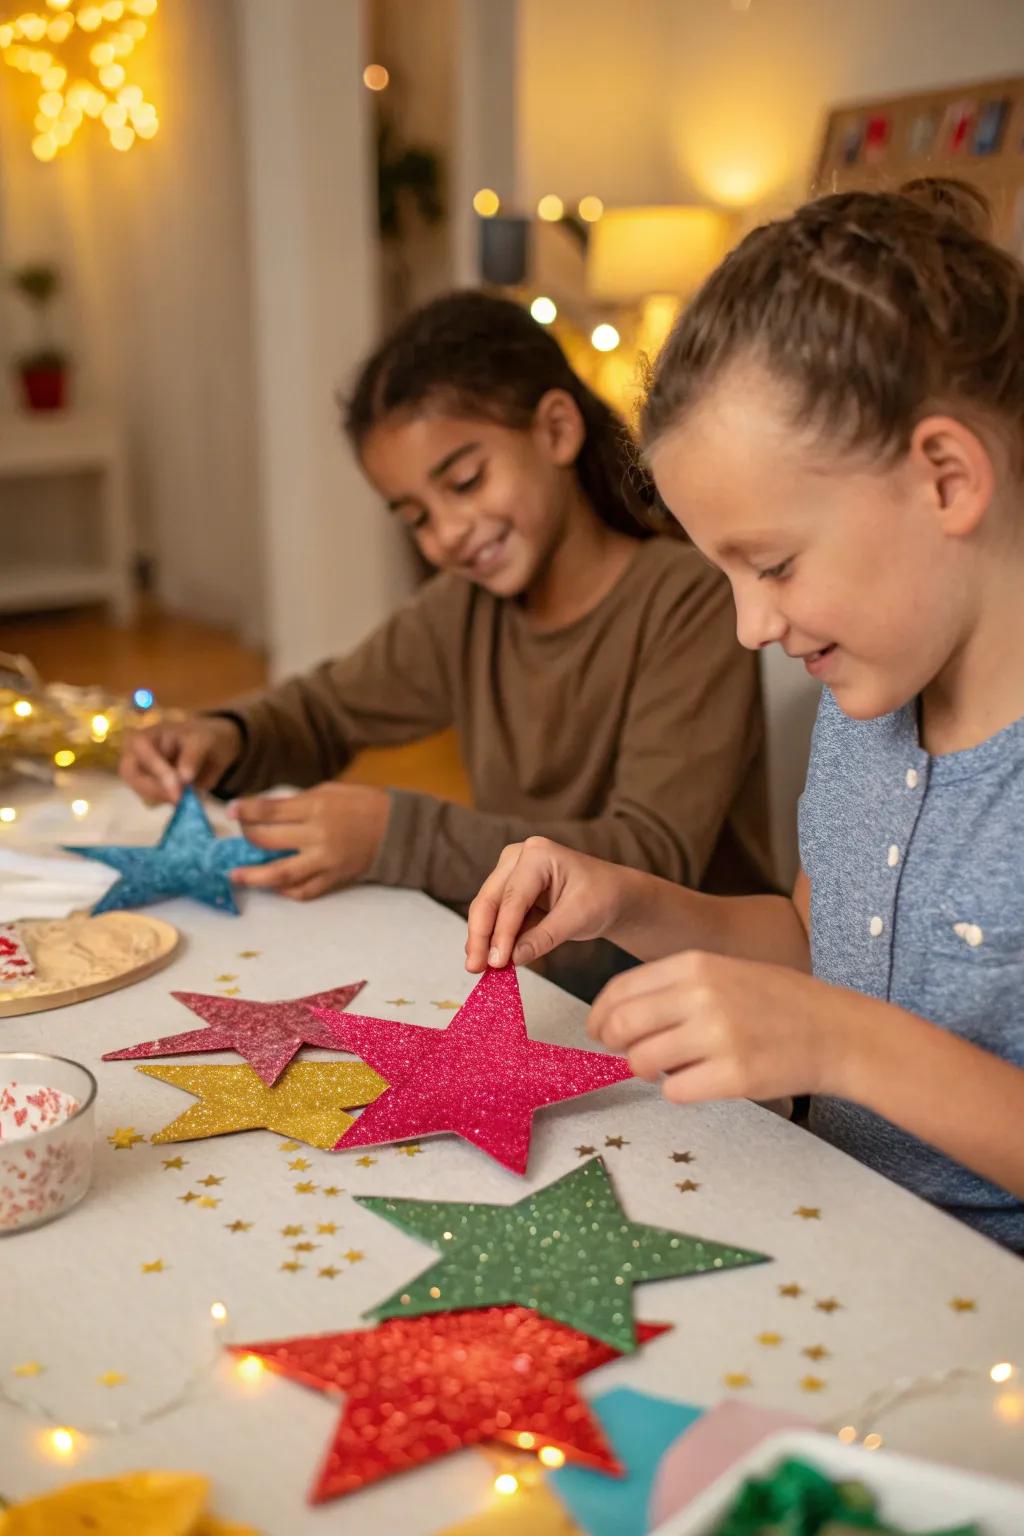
[488, 501]
[863, 572]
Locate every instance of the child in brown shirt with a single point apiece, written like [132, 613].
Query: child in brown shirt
[589, 665]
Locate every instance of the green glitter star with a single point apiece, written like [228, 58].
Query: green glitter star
[569, 1251]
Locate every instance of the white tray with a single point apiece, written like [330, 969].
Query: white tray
[919, 1495]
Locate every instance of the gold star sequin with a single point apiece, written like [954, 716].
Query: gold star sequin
[157, 1267]
[111, 1379]
[292, 1266]
[208, 1202]
[174, 1162]
[812, 1384]
[227, 978]
[289, 1146]
[585, 1151]
[828, 1305]
[816, 1352]
[410, 1151]
[734, 1380]
[305, 1247]
[307, 1187]
[326, 1228]
[230, 991]
[790, 1290]
[125, 1138]
[446, 1003]
[808, 1212]
[964, 1304]
[28, 1368]
[365, 1162]
[330, 1190]
[683, 1157]
[770, 1340]
[354, 1256]
[300, 1164]
[310, 1100]
[248, 954]
[687, 1186]
[329, 1272]
[211, 1181]
[292, 1231]
[238, 1226]
[616, 1141]
[187, 1199]
[398, 1002]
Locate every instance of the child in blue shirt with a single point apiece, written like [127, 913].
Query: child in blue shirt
[838, 422]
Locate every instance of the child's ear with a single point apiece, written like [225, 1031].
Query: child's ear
[958, 469]
[558, 427]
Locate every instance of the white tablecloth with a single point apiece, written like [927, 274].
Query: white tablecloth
[74, 1297]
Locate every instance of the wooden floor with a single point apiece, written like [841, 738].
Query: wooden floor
[197, 666]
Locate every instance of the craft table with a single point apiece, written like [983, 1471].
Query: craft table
[867, 1282]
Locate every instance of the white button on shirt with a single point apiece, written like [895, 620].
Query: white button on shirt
[912, 778]
[894, 856]
[875, 927]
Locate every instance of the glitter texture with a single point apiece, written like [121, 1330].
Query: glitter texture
[189, 860]
[309, 1102]
[567, 1250]
[419, 1388]
[268, 1035]
[481, 1077]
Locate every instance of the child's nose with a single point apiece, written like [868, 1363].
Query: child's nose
[758, 621]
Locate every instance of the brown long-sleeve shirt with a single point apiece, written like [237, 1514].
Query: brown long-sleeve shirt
[635, 733]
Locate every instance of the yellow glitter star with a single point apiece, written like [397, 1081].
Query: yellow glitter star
[208, 1202]
[329, 1272]
[28, 1368]
[365, 1162]
[307, 1187]
[309, 1100]
[790, 1290]
[125, 1138]
[964, 1304]
[292, 1231]
[157, 1267]
[174, 1162]
[326, 1228]
[446, 1003]
[331, 1190]
[411, 1151]
[354, 1256]
[828, 1305]
[808, 1212]
[292, 1266]
[770, 1340]
[238, 1226]
[187, 1199]
[734, 1380]
[289, 1146]
[248, 954]
[816, 1352]
[398, 1002]
[227, 978]
[812, 1384]
[111, 1379]
[211, 1181]
[300, 1164]
[305, 1247]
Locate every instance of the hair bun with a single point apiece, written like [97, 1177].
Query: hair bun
[956, 199]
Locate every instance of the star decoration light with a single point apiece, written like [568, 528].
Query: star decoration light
[419, 1388]
[568, 1250]
[310, 1100]
[125, 1138]
[76, 53]
[480, 1077]
[189, 860]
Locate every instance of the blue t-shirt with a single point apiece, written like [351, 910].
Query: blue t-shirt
[916, 866]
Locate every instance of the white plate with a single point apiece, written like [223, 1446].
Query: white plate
[918, 1495]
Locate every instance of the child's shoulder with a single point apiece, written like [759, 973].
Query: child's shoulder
[674, 568]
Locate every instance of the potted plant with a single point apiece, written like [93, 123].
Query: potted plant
[44, 370]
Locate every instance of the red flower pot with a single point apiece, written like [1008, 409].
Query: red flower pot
[44, 388]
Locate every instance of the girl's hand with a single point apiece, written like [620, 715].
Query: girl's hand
[538, 896]
[721, 1028]
[334, 832]
[158, 763]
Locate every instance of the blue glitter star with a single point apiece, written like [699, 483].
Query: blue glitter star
[189, 860]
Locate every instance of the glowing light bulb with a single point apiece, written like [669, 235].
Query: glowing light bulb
[64, 758]
[99, 725]
[122, 138]
[61, 1442]
[551, 1456]
[113, 10]
[39, 62]
[605, 338]
[6, 35]
[134, 29]
[505, 1483]
[32, 27]
[551, 208]
[144, 7]
[872, 1442]
[148, 128]
[250, 1368]
[58, 5]
[131, 96]
[79, 808]
[112, 76]
[526, 1441]
[8, 813]
[1001, 1372]
[101, 54]
[847, 1435]
[114, 115]
[51, 103]
[72, 116]
[90, 17]
[544, 310]
[219, 1312]
[486, 202]
[590, 209]
[22, 709]
[376, 77]
[143, 698]
[63, 133]
[60, 29]
[122, 45]
[54, 78]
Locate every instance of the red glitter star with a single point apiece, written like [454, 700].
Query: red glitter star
[481, 1077]
[268, 1035]
[420, 1387]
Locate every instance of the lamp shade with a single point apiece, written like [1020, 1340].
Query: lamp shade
[635, 252]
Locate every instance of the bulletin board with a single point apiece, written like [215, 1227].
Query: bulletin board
[974, 132]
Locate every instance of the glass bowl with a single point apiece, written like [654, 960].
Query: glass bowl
[47, 1133]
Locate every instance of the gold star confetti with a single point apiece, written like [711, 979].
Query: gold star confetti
[309, 1100]
[330, 1190]
[28, 1368]
[307, 1187]
[248, 954]
[812, 1384]
[227, 978]
[734, 1380]
[687, 1186]
[586, 1151]
[157, 1267]
[354, 1256]
[300, 1164]
[964, 1304]
[365, 1162]
[411, 1151]
[187, 1199]
[289, 1146]
[683, 1157]
[329, 1272]
[446, 1003]
[291, 1231]
[326, 1228]
[398, 1002]
[790, 1290]
[238, 1226]
[808, 1212]
[230, 991]
[816, 1352]
[828, 1305]
[125, 1138]
[208, 1202]
[292, 1266]
[174, 1162]
[770, 1340]
[305, 1247]
[211, 1181]
[111, 1379]
[616, 1141]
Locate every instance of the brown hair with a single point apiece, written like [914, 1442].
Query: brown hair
[487, 358]
[871, 308]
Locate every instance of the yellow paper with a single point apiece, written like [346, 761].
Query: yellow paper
[138, 1504]
[527, 1512]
